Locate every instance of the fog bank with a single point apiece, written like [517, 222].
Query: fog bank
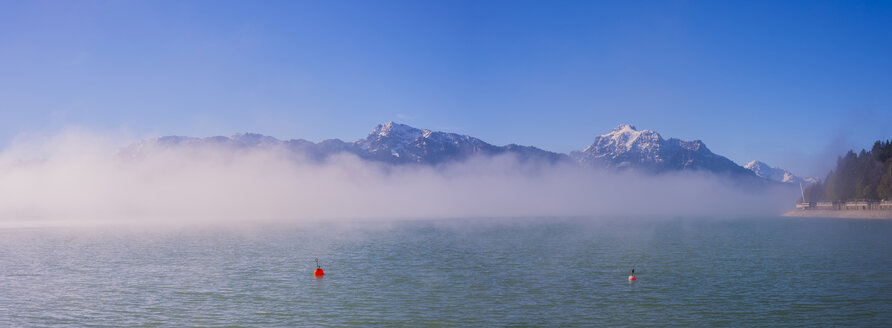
[79, 177]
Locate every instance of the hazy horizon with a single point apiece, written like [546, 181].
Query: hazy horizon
[80, 176]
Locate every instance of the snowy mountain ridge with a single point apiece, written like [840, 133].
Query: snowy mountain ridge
[389, 142]
[624, 147]
[775, 173]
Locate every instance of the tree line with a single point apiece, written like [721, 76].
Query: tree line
[863, 176]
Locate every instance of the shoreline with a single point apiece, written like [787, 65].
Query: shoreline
[841, 214]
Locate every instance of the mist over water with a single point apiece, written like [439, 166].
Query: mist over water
[81, 177]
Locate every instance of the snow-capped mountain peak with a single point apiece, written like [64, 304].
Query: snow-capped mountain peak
[625, 139]
[778, 174]
[623, 127]
[626, 136]
[761, 169]
[397, 130]
[627, 147]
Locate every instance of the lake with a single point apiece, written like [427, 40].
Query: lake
[460, 272]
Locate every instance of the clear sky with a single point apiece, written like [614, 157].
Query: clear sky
[791, 83]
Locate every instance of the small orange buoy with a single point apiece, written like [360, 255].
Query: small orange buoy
[318, 272]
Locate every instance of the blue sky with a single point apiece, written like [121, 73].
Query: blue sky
[790, 83]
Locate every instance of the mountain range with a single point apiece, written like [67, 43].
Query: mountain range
[623, 148]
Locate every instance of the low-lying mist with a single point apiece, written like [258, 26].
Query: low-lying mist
[77, 178]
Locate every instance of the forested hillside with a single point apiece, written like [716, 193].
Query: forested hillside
[863, 176]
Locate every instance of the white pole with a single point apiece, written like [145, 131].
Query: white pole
[802, 191]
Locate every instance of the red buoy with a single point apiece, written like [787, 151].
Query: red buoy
[632, 278]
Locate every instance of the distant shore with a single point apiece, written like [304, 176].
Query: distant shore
[840, 214]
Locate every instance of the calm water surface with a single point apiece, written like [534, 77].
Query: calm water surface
[539, 272]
